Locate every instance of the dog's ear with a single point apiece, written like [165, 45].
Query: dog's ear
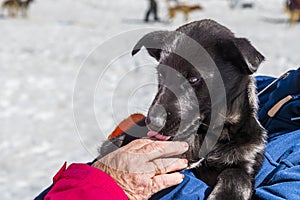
[153, 42]
[241, 53]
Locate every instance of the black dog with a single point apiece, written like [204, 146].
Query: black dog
[186, 103]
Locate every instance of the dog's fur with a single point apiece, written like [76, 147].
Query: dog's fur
[185, 9]
[24, 5]
[13, 7]
[293, 9]
[231, 165]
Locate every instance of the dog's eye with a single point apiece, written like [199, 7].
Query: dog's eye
[193, 80]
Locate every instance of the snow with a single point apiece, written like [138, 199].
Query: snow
[79, 50]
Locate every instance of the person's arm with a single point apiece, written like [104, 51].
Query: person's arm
[81, 181]
[136, 171]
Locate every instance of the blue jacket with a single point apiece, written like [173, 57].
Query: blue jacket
[279, 177]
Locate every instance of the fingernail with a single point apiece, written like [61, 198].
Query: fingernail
[185, 163]
[186, 145]
[182, 176]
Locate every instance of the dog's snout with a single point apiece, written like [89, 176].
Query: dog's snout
[156, 118]
[155, 123]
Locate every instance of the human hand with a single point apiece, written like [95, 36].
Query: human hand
[142, 168]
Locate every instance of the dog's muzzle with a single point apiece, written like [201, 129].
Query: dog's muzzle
[156, 118]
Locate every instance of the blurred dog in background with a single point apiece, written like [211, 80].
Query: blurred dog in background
[185, 9]
[14, 7]
[293, 9]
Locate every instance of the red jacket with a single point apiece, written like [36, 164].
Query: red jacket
[81, 181]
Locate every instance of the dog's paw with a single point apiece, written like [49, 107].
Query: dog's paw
[233, 184]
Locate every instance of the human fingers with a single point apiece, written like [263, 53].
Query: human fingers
[166, 165]
[137, 144]
[164, 181]
[158, 149]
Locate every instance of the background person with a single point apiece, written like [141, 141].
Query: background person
[152, 9]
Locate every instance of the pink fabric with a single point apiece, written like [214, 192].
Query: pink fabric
[81, 181]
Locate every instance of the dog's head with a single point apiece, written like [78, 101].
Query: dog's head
[183, 105]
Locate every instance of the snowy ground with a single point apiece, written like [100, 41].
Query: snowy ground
[41, 57]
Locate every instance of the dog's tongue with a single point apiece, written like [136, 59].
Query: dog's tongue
[158, 136]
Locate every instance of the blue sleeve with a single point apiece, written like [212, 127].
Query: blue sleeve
[279, 177]
[42, 195]
[190, 188]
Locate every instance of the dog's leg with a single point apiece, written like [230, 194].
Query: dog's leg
[16, 12]
[293, 18]
[24, 12]
[2, 10]
[171, 15]
[11, 12]
[233, 184]
[186, 16]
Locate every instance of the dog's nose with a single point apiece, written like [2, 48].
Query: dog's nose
[156, 118]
